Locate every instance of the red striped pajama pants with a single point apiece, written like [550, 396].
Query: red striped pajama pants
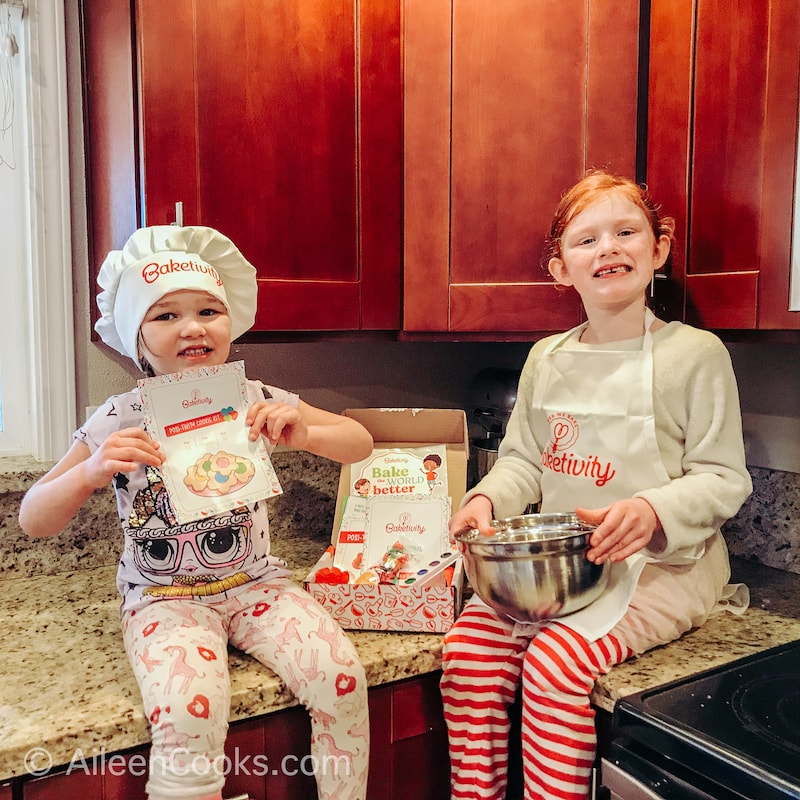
[483, 665]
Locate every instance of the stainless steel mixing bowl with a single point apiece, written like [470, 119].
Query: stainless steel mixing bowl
[534, 567]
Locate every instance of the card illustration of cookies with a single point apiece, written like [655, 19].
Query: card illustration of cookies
[198, 418]
[218, 474]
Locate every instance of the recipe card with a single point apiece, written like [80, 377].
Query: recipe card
[350, 537]
[211, 466]
[404, 536]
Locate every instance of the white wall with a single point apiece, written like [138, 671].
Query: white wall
[769, 388]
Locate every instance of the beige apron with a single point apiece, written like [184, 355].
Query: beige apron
[594, 409]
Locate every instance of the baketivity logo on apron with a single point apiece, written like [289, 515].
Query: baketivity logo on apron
[564, 433]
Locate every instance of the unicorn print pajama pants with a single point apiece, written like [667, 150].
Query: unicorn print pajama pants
[178, 651]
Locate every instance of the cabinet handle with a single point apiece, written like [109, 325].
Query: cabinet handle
[179, 223]
[657, 276]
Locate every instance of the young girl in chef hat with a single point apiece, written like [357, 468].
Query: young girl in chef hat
[174, 298]
[634, 424]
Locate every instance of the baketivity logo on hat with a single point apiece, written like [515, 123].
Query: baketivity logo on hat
[153, 271]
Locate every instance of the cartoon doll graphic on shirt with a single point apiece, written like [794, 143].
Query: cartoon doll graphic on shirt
[204, 560]
[185, 560]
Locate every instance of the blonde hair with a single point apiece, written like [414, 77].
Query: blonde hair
[595, 185]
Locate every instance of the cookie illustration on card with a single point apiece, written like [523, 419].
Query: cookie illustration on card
[219, 474]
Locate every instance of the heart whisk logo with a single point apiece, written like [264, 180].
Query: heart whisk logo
[559, 455]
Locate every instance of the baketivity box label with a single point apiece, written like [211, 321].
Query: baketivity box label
[405, 472]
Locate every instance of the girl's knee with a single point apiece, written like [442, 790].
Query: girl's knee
[349, 688]
[336, 684]
[189, 725]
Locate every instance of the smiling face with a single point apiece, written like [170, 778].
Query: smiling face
[609, 253]
[185, 329]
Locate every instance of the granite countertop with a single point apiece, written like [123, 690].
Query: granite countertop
[66, 683]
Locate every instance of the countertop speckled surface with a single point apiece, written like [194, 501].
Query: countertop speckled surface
[65, 683]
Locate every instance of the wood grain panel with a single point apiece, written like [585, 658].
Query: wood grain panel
[126, 779]
[669, 129]
[513, 307]
[277, 115]
[722, 148]
[77, 784]
[522, 95]
[417, 707]
[244, 744]
[519, 132]
[729, 106]
[780, 167]
[287, 737]
[167, 104]
[307, 305]
[426, 241]
[723, 300]
[611, 116]
[381, 172]
[109, 130]
[280, 124]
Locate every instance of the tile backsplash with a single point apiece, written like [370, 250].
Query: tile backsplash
[767, 529]
[304, 511]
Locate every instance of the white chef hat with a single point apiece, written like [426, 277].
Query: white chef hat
[165, 258]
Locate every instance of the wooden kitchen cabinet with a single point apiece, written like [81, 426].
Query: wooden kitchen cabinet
[267, 757]
[110, 776]
[408, 756]
[506, 105]
[721, 154]
[278, 123]
[57, 787]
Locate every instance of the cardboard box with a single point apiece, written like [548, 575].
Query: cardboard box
[387, 607]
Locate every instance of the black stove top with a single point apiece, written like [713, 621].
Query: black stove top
[736, 725]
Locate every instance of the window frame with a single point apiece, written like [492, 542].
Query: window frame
[43, 379]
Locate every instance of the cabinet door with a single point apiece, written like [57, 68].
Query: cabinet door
[125, 775]
[506, 105]
[247, 764]
[722, 138]
[269, 756]
[287, 737]
[408, 741]
[419, 738]
[277, 122]
[57, 787]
